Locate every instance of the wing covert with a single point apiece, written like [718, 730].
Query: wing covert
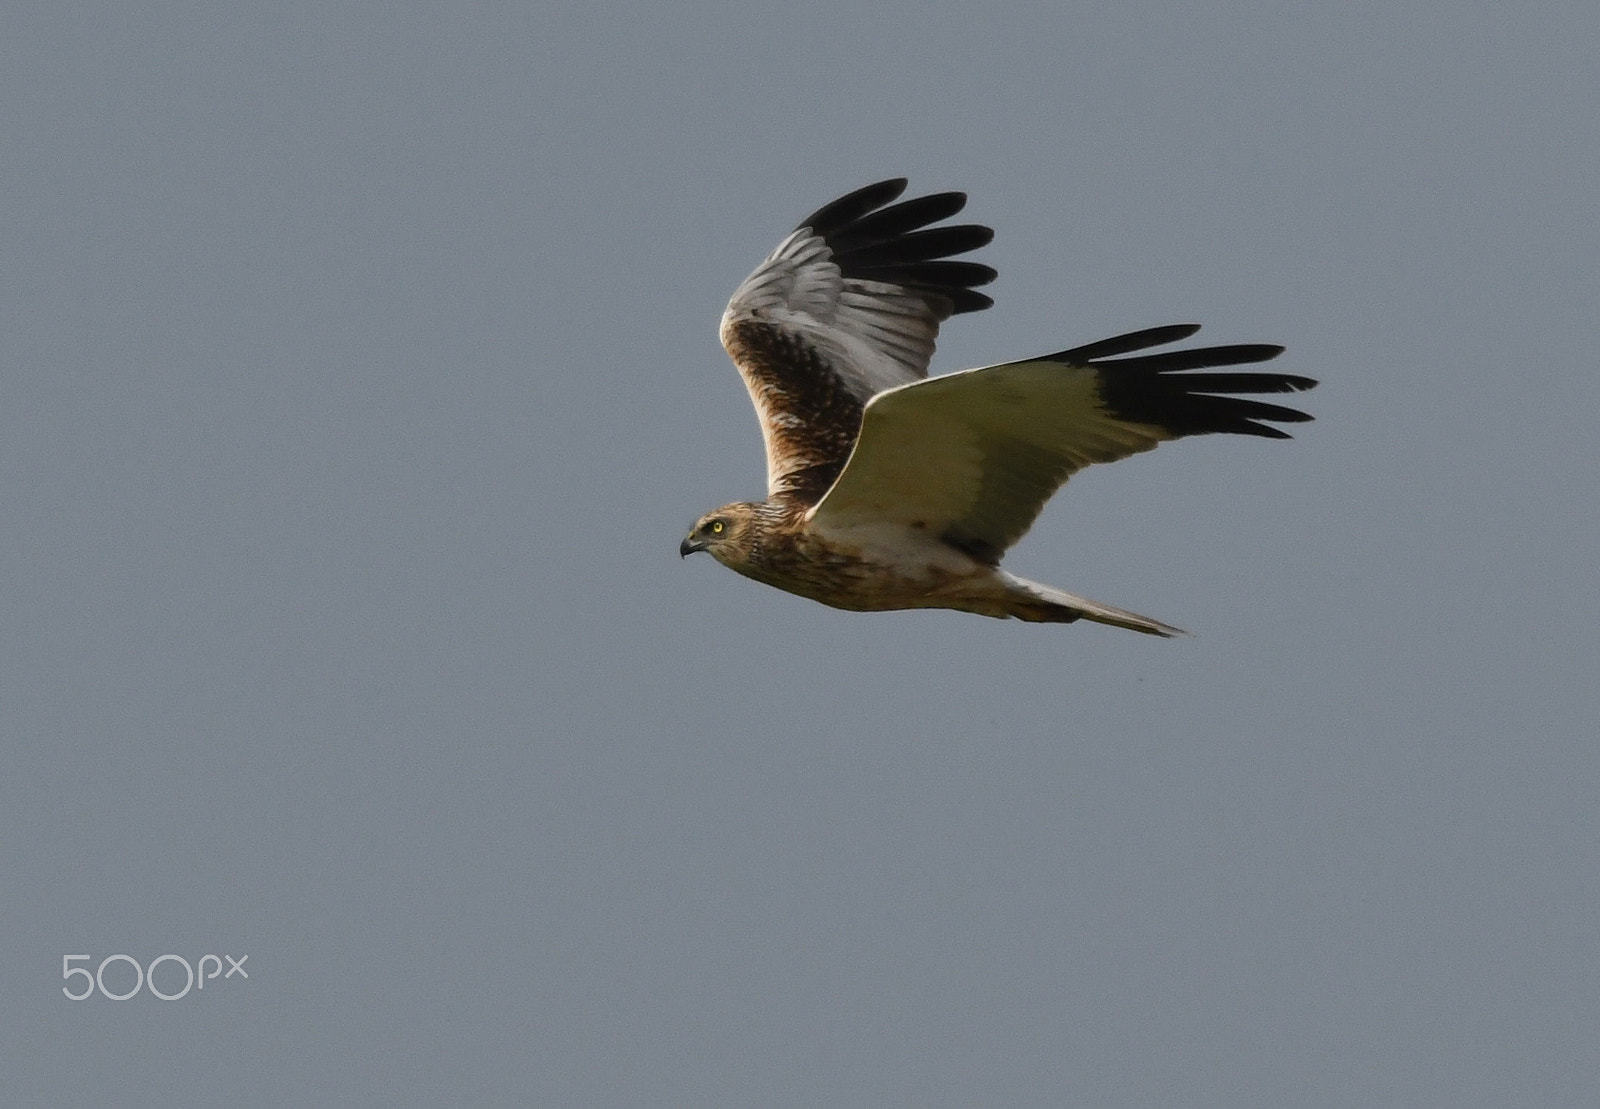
[848, 305]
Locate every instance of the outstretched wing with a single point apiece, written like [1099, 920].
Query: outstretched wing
[972, 457]
[846, 307]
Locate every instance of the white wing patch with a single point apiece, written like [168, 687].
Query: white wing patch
[975, 455]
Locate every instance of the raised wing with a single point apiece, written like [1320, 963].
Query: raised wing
[972, 457]
[846, 307]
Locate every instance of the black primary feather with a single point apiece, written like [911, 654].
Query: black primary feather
[896, 245]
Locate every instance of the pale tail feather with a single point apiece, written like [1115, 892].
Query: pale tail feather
[1028, 600]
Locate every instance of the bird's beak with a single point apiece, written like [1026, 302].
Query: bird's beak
[689, 547]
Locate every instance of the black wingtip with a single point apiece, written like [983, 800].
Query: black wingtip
[1154, 389]
[874, 239]
[1124, 344]
[853, 206]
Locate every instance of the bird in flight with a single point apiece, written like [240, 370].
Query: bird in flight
[888, 489]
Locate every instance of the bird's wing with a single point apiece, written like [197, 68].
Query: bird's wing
[846, 307]
[972, 457]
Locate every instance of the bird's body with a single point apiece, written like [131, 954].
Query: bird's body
[880, 567]
[890, 490]
[865, 568]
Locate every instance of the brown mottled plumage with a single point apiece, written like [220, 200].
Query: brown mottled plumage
[889, 490]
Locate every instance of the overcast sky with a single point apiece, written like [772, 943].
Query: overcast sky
[360, 378]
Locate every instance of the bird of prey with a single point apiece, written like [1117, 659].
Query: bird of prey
[888, 489]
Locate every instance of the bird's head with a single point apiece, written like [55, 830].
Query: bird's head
[724, 534]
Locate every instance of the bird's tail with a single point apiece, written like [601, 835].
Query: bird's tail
[1028, 600]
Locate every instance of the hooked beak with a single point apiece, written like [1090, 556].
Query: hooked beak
[689, 547]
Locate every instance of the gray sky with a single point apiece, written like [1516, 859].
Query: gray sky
[361, 377]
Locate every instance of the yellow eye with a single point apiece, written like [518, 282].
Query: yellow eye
[716, 528]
